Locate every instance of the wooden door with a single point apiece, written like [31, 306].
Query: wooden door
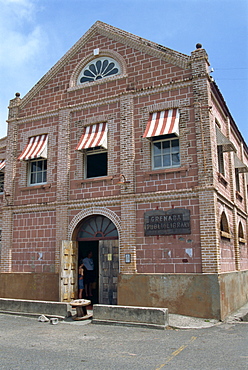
[68, 271]
[108, 271]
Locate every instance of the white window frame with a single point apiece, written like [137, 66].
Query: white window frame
[162, 139]
[43, 171]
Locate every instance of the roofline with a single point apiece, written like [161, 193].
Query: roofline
[152, 48]
[219, 97]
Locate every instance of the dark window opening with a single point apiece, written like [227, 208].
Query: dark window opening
[1, 182]
[237, 179]
[96, 164]
[221, 168]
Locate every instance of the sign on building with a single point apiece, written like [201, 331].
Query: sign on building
[171, 222]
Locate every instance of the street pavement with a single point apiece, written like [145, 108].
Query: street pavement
[189, 343]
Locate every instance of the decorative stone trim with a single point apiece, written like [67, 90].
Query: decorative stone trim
[167, 170]
[149, 47]
[93, 211]
[226, 235]
[167, 105]
[35, 187]
[103, 53]
[242, 241]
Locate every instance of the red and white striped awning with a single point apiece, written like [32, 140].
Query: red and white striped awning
[94, 135]
[163, 123]
[36, 148]
[2, 164]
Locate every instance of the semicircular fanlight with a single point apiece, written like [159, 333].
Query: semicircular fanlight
[98, 69]
[97, 227]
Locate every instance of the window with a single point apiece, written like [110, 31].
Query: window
[237, 182]
[1, 182]
[224, 227]
[94, 142]
[38, 172]
[35, 152]
[221, 167]
[165, 153]
[163, 131]
[96, 162]
[241, 234]
[99, 68]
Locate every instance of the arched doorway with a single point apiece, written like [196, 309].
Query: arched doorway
[98, 234]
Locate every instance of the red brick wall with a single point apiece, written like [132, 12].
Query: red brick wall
[33, 233]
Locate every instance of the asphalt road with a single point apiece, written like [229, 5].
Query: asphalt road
[26, 343]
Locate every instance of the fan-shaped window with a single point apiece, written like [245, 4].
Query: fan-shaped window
[99, 68]
[96, 228]
[241, 233]
[224, 228]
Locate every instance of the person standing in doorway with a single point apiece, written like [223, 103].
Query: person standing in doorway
[88, 274]
[80, 279]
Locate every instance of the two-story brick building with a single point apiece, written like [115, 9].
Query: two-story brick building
[128, 149]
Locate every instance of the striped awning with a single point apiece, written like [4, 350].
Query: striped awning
[94, 135]
[2, 164]
[36, 148]
[163, 123]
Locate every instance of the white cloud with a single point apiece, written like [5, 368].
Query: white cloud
[17, 48]
[21, 38]
[22, 9]
[22, 42]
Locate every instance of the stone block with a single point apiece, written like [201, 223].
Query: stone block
[131, 316]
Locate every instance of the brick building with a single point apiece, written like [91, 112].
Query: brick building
[128, 149]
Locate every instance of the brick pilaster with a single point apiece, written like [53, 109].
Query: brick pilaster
[61, 233]
[128, 207]
[210, 250]
[6, 257]
[127, 148]
[128, 235]
[63, 164]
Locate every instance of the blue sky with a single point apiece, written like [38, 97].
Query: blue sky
[35, 34]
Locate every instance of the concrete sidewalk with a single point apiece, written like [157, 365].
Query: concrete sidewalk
[63, 310]
[187, 322]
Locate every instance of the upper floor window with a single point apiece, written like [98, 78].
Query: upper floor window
[96, 163]
[36, 153]
[1, 182]
[37, 172]
[94, 143]
[165, 153]
[2, 167]
[221, 167]
[240, 168]
[99, 68]
[237, 182]
[223, 145]
[163, 130]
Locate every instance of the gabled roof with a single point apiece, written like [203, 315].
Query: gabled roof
[139, 43]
